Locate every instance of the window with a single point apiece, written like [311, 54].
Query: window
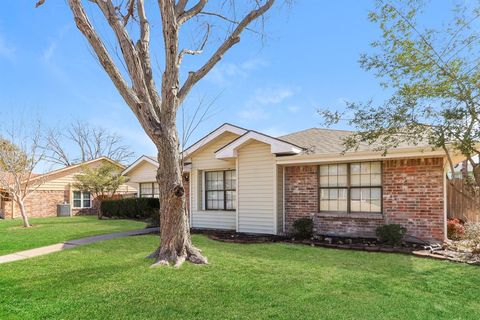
[220, 190]
[353, 187]
[82, 199]
[149, 190]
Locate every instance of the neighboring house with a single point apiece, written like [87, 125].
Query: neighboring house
[243, 180]
[57, 188]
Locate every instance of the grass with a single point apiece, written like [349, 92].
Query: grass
[46, 231]
[112, 280]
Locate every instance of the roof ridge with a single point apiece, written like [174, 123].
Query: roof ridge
[316, 128]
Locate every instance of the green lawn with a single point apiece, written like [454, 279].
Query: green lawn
[46, 231]
[112, 280]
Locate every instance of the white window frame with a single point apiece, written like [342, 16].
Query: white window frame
[82, 199]
[204, 191]
[148, 195]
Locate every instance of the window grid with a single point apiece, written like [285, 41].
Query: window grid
[362, 195]
[220, 190]
[149, 190]
[82, 200]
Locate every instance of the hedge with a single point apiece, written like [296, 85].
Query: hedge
[132, 208]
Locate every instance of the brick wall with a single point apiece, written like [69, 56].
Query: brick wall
[39, 204]
[301, 193]
[43, 203]
[412, 197]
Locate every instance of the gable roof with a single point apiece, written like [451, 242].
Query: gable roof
[226, 127]
[148, 159]
[278, 146]
[45, 175]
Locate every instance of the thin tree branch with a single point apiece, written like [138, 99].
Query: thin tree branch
[184, 16]
[233, 39]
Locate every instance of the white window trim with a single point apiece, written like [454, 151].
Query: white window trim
[150, 195]
[81, 200]
[204, 190]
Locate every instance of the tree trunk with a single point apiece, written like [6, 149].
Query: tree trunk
[175, 241]
[23, 213]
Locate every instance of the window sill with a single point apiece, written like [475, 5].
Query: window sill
[370, 216]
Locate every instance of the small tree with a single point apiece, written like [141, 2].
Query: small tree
[435, 77]
[102, 182]
[19, 156]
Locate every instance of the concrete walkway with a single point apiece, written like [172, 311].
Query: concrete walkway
[21, 255]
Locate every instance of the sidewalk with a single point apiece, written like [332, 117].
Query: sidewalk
[21, 255]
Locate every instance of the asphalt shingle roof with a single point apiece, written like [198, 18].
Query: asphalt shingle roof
[319, 140]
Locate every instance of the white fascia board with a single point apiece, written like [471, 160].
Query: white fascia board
[137, 162]
[360, 156]
[277, 146]
[186, 168]
[211, 136]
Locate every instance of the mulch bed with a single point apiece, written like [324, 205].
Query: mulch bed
[362, 244]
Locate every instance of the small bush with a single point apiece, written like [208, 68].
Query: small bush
[391, 233]
[132, 208]
[303, 228]
[455, 229]
[472, 235]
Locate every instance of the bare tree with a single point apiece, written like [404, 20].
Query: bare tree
[156, 109]
[88, 142]
[20, 154]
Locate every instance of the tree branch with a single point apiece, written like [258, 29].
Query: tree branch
[84, 25]
[233, 39]
[143, 46]
[194, 52]
[184, 16]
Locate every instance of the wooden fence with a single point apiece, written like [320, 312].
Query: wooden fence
[462, 201]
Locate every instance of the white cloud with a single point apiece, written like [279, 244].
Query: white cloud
[256, 107]
[293, 109]
[7, 50]
[49, 51]
[272, 96]
[223, 74]
[253, 114]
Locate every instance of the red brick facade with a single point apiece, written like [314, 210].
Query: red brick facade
[43, 203]
[413, 196]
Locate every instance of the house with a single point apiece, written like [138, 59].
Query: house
[247, 181]
[56, 187]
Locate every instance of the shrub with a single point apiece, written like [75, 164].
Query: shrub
[391, 233]
[303, 227]
[455, 229]
[132, 208]
[472, 235]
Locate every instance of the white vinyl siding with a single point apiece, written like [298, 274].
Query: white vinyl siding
[143, 172]
[201, 161]
[256, 205]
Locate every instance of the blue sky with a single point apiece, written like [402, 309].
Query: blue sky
[309, 60]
